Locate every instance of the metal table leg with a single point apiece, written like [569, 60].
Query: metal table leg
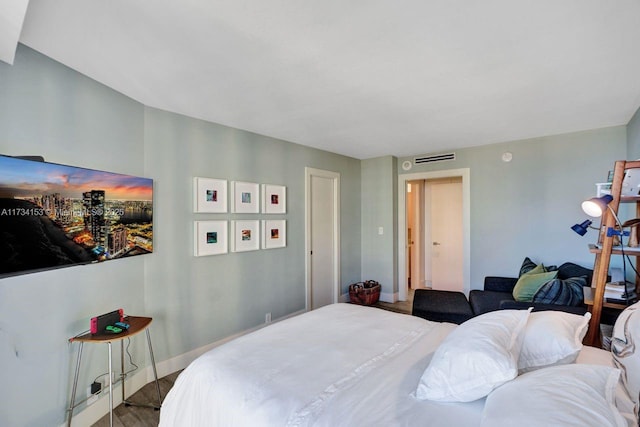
[75, 386]
[122, 374]
[110, 388]
[155, 376]
[155, 372]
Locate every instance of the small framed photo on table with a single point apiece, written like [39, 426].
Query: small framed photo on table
[274, 199]
[245, 235]
[274, 233]
[209, 195]
[245, 197]
[210, 238]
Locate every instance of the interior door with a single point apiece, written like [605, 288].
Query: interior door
[323, 237]
[446, 235]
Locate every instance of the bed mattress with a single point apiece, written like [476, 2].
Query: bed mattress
[341, 365]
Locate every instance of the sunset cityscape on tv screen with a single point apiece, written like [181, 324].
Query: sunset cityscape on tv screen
[54, 215]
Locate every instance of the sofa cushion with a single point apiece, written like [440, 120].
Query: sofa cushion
[499, 284]
[441, 306]
[528, 284]
[486, 301]
[569, 270]
[562, 292]
[516, 305]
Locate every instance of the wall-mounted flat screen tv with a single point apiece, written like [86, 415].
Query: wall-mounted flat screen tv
[54, 216]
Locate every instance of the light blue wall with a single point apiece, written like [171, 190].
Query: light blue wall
[526, 207]
[47, 109]
[379, 202]
[222, 295]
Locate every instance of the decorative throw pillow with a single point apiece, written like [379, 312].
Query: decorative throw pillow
[552, 338]
[478, 356]
[528, 284]
[625, 347]
[527, 266]
[567, 395]
[563, 292]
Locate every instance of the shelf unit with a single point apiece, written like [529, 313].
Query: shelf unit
[594, 296]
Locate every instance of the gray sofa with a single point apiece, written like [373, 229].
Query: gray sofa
[497, 294]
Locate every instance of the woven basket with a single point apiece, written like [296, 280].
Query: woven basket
[364, 293]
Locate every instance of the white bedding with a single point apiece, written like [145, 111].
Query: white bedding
[341, 365]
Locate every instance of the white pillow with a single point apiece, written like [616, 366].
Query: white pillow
[625, 343]
[552, 338]
[564, 395]
[478, 356]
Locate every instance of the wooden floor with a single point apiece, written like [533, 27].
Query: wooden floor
[134, 416]
[404, 307]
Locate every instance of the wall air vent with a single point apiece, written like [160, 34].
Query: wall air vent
[434, 158]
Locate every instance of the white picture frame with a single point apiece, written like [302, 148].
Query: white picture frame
[274, 199]
[245, 235]
[274, 233]
[210, 238]
[209, 195]
[245, 197]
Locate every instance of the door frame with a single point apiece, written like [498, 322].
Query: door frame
[335, 177]
[418, 234]
[403, 179]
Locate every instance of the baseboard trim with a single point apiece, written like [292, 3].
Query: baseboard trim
[91, 414]
[389, 297]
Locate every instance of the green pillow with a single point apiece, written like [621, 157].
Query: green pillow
[536, 270]
[528, 284]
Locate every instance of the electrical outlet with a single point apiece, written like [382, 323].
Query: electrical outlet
[267, 318]
[91, 398]
[93, 391]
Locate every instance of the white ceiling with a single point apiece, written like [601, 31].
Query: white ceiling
[11, 17]
[360, 78]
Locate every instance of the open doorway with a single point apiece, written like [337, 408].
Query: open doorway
[433, 209]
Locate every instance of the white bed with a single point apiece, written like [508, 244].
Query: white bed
[341, 365]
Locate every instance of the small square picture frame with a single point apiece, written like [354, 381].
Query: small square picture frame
[210, 238]
[209, 195]
[274, 199]
[245, 235]
[274, 233]
[245, 197]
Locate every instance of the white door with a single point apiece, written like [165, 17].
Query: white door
[445, 210]
[322, 238]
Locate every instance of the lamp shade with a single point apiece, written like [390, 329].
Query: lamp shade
[582, 228]
[596, 205]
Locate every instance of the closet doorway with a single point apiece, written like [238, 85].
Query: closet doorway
[322, 237]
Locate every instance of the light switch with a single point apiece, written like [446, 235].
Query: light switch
[380, 231]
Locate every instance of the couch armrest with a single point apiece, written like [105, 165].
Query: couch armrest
[499, 284]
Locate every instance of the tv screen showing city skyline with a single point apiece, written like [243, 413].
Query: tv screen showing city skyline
[54, 216]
